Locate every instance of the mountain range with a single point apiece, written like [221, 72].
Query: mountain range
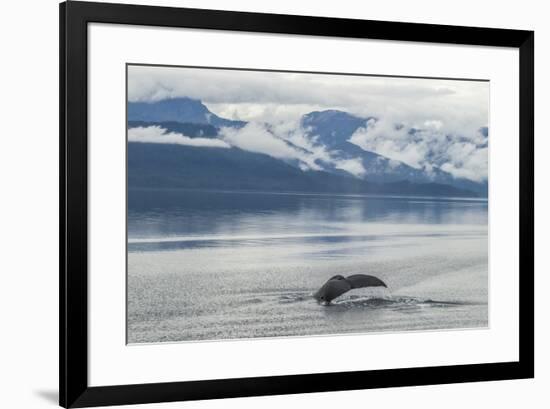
[243, 167]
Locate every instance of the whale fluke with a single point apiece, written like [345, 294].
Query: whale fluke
[338, 285]
[363, 280]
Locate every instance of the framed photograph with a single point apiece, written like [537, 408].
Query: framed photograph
[256, 204]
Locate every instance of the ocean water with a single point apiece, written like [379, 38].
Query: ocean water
[229, 265]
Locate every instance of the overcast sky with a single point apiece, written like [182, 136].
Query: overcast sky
[439, 107]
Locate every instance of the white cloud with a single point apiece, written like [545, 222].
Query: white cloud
[261, 138]
[353, 166]
[469, 164]
[463, 156]
[156, 134]
[287, 140]
[433, 124]
[384, 138]
[256, 138]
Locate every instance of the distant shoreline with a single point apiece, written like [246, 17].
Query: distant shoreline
[325, 194]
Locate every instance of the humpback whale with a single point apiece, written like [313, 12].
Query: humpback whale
[338, 285]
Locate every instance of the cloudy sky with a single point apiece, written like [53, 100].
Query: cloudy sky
[438, 108]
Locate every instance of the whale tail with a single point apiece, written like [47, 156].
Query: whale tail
[338, 285]
[363, 280]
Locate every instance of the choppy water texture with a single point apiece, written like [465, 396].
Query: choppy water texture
[226, 265]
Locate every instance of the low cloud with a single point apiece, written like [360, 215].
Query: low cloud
[285, 140]
[157, 134]
[288, 141]
[353, 166]
[255, 137]
[425, 146]
[467, 162]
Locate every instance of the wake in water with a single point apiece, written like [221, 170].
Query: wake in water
[371, 298]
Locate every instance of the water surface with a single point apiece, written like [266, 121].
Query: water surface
[226, 265]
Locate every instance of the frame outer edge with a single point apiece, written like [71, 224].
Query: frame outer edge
[74, 390]
[62, 210]
[74, 272]
[115, 13]
[527, 205]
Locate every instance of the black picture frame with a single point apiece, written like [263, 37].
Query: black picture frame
[73, 244]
